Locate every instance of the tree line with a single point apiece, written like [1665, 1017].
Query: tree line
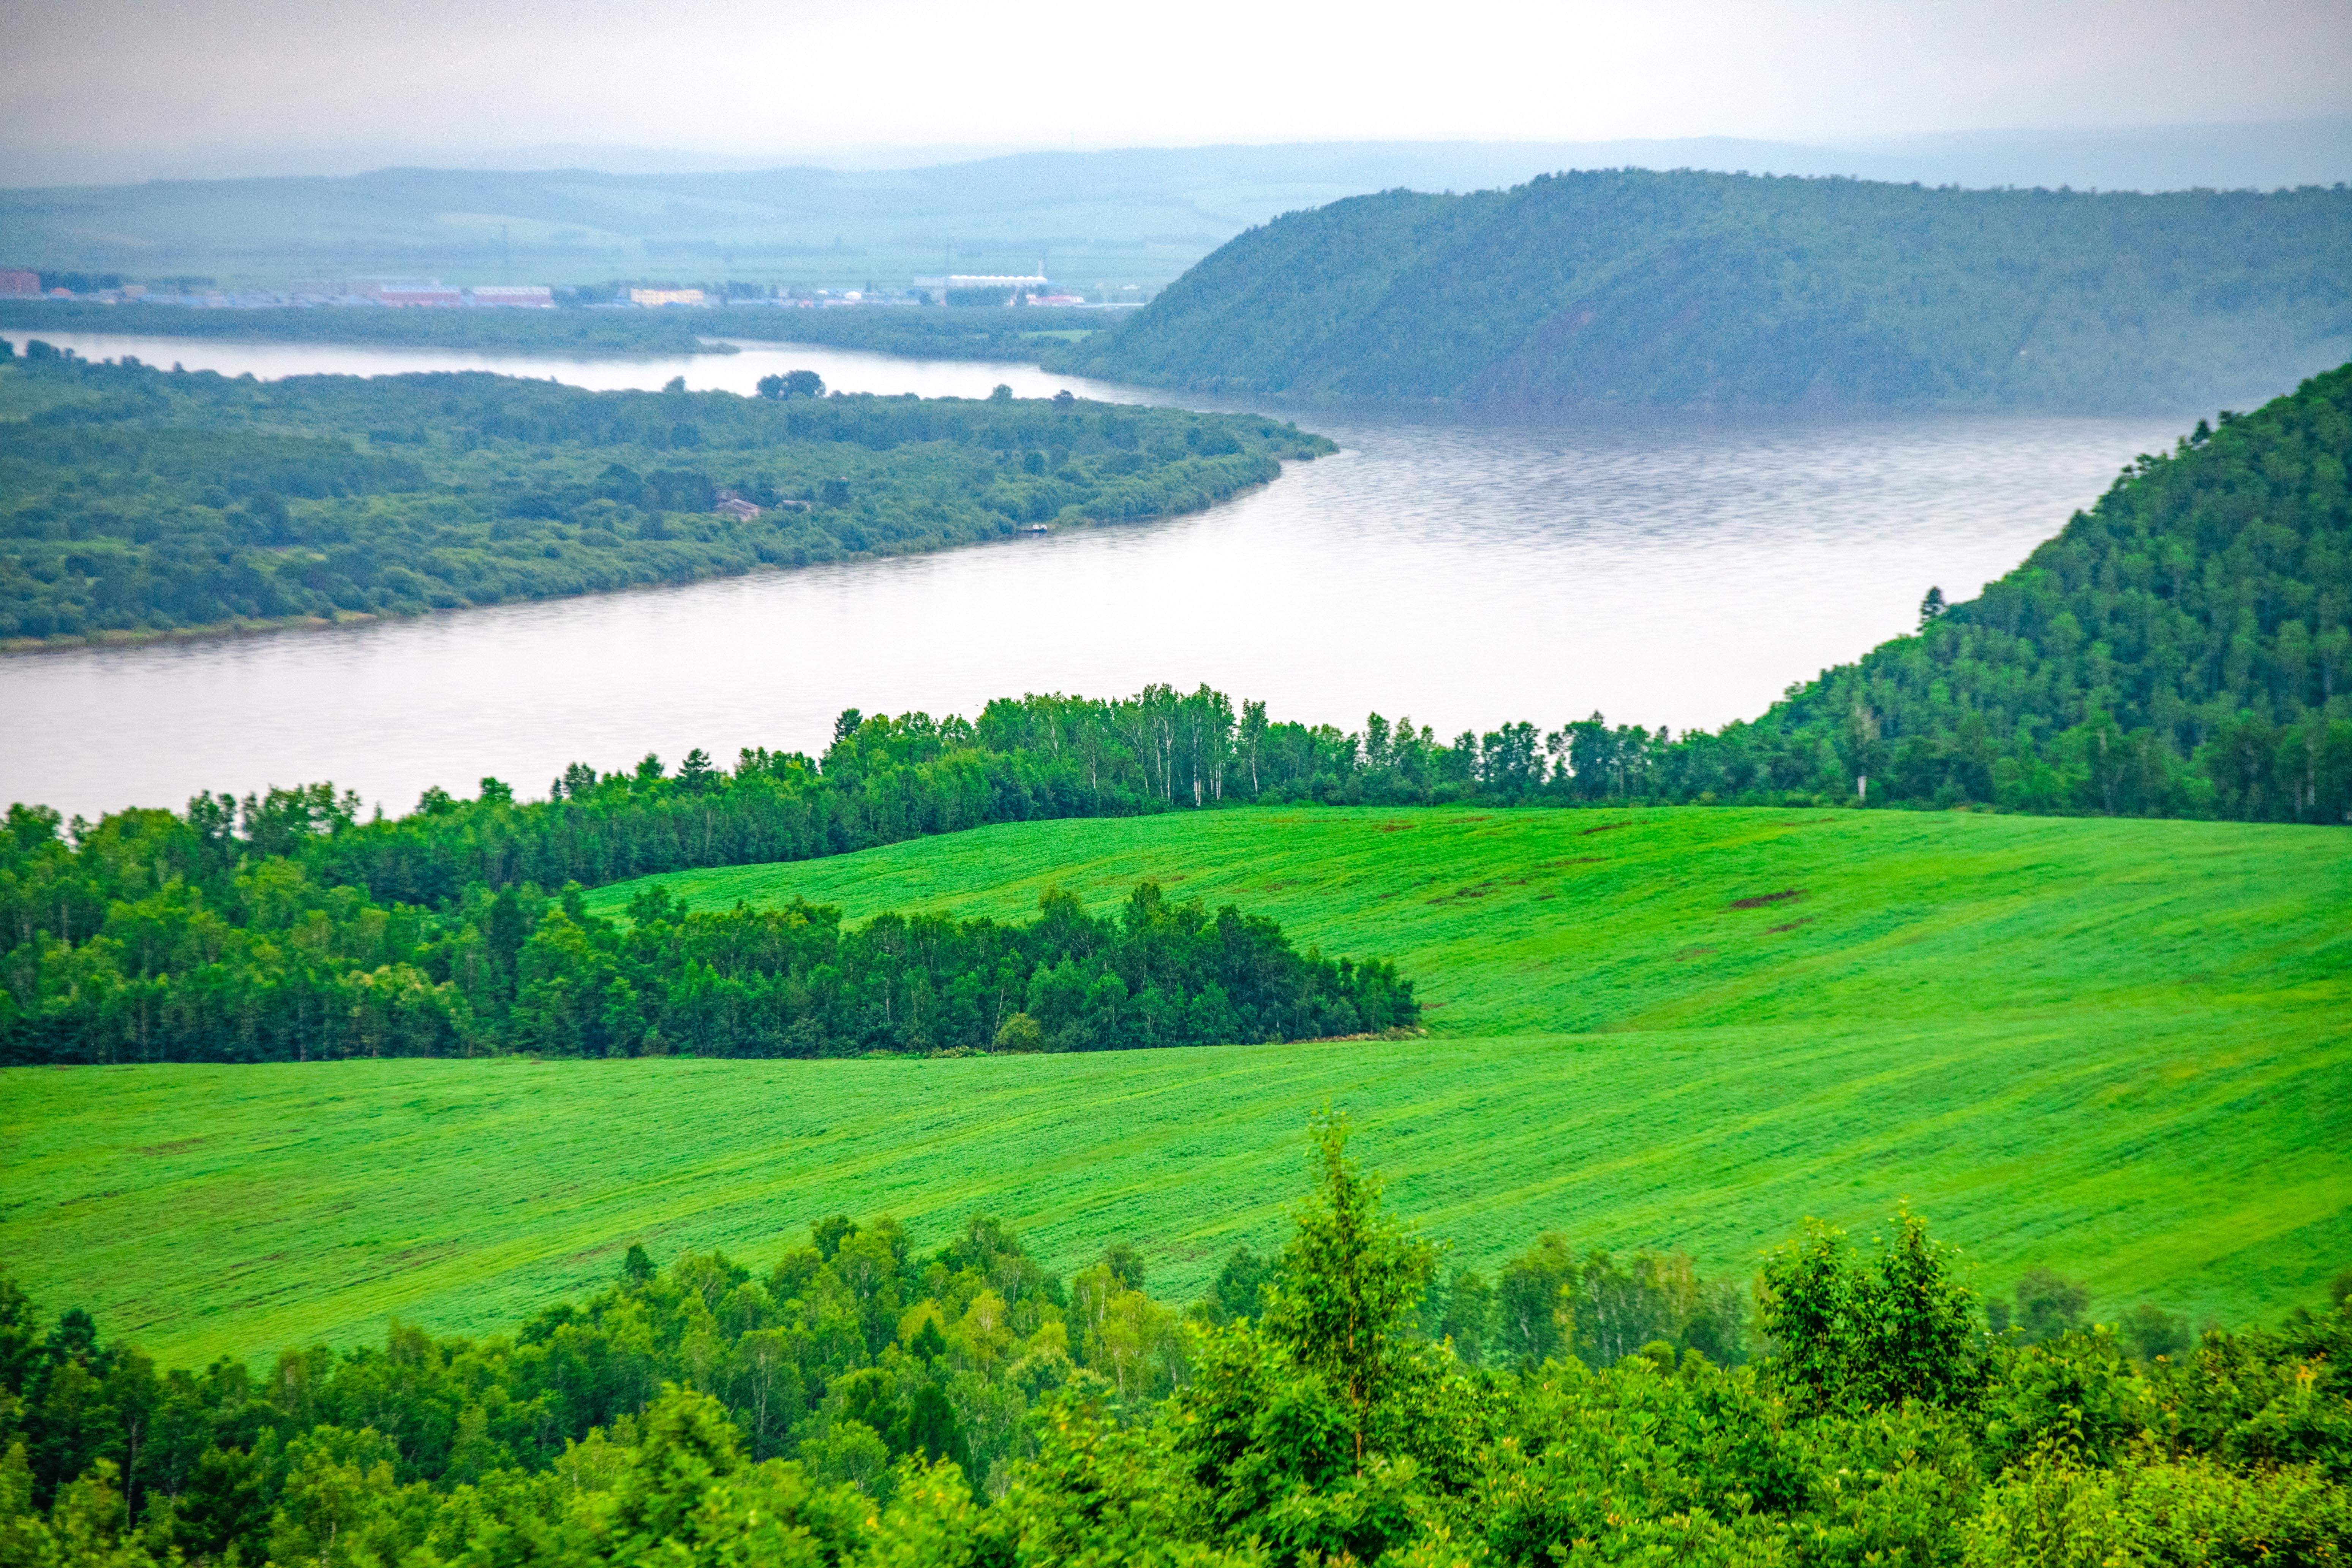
[919, 333]
[136, 500]
[283, 926]
[862, 1402]
[984, 333]
[529, 331]
[252, 959]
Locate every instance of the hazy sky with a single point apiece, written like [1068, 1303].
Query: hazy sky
[168, 78]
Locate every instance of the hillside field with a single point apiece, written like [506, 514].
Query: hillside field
[2117, 1047]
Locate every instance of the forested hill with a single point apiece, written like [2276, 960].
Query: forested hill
[1638, 287]
[2203, 609]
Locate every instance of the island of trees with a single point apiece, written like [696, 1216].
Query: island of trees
[1628, 287]
[137, 501]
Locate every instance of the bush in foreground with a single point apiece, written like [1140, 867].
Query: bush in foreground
[861, 1404]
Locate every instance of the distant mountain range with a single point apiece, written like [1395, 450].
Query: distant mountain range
[1136, 216]
[1636, 288]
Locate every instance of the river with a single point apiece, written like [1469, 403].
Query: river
[1660, 568]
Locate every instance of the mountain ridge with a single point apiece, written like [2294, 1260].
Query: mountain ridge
[1688, 289]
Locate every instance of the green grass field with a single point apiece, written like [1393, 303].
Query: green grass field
[2120, 1048]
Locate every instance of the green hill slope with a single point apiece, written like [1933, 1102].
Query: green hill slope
[2112, 1047]
[1629, 287]
[2185, 646]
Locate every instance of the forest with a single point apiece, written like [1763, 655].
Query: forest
[194, 947]
[2184, 647]
[1348, 1399]
[1629, 287]
[136, 501]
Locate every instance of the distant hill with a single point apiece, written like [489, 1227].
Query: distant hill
[1121, 216]
[1132, 216]
[1637, 287]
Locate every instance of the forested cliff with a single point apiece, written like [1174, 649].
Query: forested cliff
[1628, 287]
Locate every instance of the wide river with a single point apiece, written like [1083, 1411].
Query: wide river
[1672, 569]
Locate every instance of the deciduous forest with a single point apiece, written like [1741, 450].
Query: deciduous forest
[135, 500]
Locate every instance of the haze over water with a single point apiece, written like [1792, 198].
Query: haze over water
[1660, 568]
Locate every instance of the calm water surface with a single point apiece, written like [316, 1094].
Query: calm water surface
[1662, 569]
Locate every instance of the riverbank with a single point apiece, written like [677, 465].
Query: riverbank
[238, 627]
[912, 331]
[235, 627]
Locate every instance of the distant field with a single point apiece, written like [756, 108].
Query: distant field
[2120, 1048]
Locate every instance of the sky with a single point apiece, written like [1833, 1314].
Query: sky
[147, 87]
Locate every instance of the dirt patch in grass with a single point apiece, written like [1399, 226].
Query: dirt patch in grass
[173, 1147]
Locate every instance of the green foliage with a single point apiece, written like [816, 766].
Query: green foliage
[1549, 1303]
[879, 1407]
[1849, 1332]
[2059, 1514]
[134, 500]
[2048, 1305]
[350, 1458]
[1237, 1293]
[1632, 287]
[2184, 647]
[1349, 1282]
[213, 964]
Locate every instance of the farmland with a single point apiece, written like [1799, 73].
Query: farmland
[2067, 1042]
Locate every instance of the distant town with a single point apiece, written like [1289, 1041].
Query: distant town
[431, 293]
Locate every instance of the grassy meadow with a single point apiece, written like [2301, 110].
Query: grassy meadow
[2121, 1049]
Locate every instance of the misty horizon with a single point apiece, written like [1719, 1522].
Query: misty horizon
[132, 90]
[2246, 155]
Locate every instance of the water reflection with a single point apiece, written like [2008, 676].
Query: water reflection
[1671, 569]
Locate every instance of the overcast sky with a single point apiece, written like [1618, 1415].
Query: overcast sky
[169, 81]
